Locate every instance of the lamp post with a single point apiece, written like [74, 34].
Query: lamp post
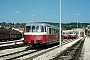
[60, 25]
[81, 25]
[32, 17]
[77, 20]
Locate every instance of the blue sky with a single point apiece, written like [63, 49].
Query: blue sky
[21, 10]
[72, 7]
[44, 10]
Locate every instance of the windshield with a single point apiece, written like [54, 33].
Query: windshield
[72, 32]
[35, 29]
[65, 33]
[39, 29]
[28, 28]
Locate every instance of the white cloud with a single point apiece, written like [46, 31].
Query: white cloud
[17, 12]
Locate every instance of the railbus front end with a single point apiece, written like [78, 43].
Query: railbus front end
[40, 33]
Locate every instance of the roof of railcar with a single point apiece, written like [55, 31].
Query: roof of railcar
[41, 24]
[3, 30]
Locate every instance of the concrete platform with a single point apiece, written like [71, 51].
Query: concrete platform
[86, 49]
[52, 54]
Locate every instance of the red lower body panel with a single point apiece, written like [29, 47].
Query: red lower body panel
[29, 38]
[65, 36]
[72, 36]
[42, 38]
[51, 38]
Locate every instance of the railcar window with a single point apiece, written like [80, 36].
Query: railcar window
[39, 29]
[54, 31]
[42, 29]
[28, 28]
[45, 28]
[49, 30]
[72, 32]
[57, 31]
[63, 33]
[33, 28]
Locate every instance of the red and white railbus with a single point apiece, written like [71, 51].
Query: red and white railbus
[72, 35]
[41, 33]
[65, 35]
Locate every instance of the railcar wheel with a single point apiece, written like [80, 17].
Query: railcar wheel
[25, 42]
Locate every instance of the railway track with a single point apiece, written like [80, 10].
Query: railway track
[11, 44]
[71, 53]
[22, 54]
[17, 54]
[13, 41]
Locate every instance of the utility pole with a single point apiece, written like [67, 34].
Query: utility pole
[77, 20]
[60, 26]
[32, 17]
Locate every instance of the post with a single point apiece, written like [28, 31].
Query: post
[32, 17]
[77, 20]
[60, 25]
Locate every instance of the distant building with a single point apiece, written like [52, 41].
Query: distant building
[88, 27]
[19, 29]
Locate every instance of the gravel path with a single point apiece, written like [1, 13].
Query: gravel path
[87, 49]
